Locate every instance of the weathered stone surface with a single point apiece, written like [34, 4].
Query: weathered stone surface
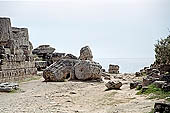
[114, 69]
[61, 70]
[103, 70]
[72, 69]
[166, 87]
[87, 70]
[8, 87]
[86, 53]
[5, 30]
[162, 108]
[159, 84]
[16, 60]
[43, 49]
[70, 56]
[134, 85]
[113, 85]
[137, 74]
[148, 81]
[40, 65]
[165, 78]
[164, 68]
[57, 56]
[107, 78]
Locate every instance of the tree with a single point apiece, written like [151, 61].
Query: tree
[162, 50]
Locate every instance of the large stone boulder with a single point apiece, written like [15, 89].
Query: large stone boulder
[159, 84]
[57, 56]
[70, 56]
[40, 65]
[162, 108]
[43, 49]
[114, 69]
[87, 70]
[60, 71]
[5, 30]
[113, 85]
[86, 53]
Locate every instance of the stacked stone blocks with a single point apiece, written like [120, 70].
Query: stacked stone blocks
[16, 59]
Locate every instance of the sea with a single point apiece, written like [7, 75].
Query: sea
[127, 65]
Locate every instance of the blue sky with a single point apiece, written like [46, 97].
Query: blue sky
[112, 28]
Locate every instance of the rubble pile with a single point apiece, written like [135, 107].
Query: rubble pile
[70, 67]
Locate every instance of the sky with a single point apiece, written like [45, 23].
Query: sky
[112, 28]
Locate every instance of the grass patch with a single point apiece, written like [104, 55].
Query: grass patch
[157, 93]
[17, 91]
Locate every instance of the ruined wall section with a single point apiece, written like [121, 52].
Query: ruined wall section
[16, 60]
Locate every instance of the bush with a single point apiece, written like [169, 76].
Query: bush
[157, 92]
[162, 50]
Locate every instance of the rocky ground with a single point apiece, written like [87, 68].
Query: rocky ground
[36, 96]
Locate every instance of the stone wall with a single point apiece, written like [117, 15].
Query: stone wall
[16, 59]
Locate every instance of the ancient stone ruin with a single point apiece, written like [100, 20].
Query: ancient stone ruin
[86, 54]
[70, 68]
[47, 56]
[16, 59]
[113, 69]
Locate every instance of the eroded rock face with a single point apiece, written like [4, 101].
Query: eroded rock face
[72, 69]
[162, 108]
[5, 30]
[70, 56]
[16, 60]
[43, 49]
[87, 70]
[86, 53]
[61, 70]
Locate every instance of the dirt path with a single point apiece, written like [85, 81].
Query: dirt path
[73, 97]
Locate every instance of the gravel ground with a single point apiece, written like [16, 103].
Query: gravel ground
[36, 96]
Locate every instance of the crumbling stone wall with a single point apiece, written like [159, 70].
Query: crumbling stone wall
[16, 59]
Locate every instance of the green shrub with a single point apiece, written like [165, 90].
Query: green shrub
[157, 92]
[162, 51]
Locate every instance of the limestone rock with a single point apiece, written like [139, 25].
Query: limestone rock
[114, 69]
[5, 30]
[61, 70]
[166, 87]
[162, 108]
[8, 87]
[16, 60]
[87, 70]
[159, 84]
[137, 74]
[43, 49]
[103, 70]
[57, 56]
[40, 65]
[113, 85]
[133, 85]
[148, 81]
[70, 56]
[86, 53]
